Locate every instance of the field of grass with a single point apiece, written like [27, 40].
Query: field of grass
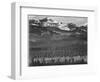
[49, 51]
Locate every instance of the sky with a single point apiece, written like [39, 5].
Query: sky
[65, 19]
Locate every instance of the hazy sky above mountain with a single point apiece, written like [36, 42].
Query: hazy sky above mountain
[65, 19]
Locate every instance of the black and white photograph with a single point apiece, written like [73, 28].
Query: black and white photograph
[53, 41]
[57, 40]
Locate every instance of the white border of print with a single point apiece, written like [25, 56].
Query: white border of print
[20, 69]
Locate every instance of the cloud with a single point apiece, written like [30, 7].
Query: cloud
[65, 19]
